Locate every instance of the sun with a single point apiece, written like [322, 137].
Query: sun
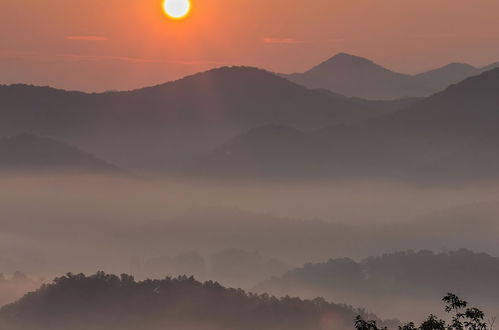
[177, 9]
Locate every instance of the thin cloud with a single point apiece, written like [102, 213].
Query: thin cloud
[36, 56]
[87, 38]
[78, 57]
[288, 41]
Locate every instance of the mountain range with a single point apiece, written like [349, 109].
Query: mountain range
[355, 76]
[194, 125]
[451, 132]
[152, 126]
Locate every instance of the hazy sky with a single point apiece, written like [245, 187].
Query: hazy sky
[122, 44]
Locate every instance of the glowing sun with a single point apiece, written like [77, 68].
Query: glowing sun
[177, 9]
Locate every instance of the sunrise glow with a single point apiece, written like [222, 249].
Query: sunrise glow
[177, 9]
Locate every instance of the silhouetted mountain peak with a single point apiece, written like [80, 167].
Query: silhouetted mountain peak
[458, 65]
[448, 74]
[346, 62]
[355, 76]
[229, 75]
[348, 58]
[457, 68]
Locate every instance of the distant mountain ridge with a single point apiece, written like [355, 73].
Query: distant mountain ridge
[433, 137]
[355, 76]
[155, 125]
[30, 153]
[394, 272]
[413, 278]
[290, 130]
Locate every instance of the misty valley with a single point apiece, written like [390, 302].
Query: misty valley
[346, 196]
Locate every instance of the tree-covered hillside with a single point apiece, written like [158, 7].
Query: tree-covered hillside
[103, 301]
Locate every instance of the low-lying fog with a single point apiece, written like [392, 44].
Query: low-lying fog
[240, 234]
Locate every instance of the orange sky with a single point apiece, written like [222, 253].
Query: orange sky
[96, 45]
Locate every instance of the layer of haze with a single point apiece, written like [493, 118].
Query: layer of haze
[124, 44]
[238, 233]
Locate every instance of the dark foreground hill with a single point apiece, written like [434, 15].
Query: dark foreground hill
[152, 126]
[452, 134]
[109, 302]
[359, 77]
[30, 153]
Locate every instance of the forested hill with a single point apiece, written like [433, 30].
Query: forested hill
[110, 302]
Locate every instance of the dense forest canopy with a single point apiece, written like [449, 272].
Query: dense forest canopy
[104, 301]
